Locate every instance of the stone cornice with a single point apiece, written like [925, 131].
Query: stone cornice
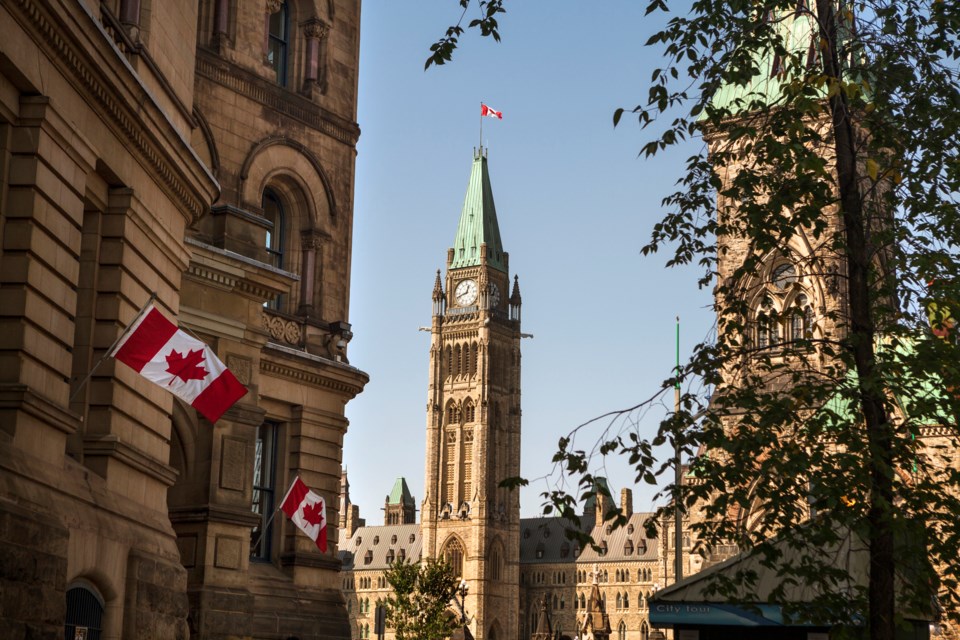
[215, 513]
[125, 103]
[312, 370]
[111, 446]
[276, 98]
[224, 269]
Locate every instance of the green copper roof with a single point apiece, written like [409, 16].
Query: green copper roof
[400, 494]
[478, 221]
[764, 87]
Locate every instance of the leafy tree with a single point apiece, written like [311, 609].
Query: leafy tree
[422, 592]
[830, 131]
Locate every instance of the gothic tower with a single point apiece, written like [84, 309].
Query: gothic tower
[473, 417]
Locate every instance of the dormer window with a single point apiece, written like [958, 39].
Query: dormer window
[376, 539]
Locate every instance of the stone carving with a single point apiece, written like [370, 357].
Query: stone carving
[283, 330]
[314, 29]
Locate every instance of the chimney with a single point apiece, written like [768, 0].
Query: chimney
[626, 502]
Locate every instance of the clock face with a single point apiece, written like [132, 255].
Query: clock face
[494, 295]
[466, 292]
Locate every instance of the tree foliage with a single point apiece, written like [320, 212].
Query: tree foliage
[829, 134]
[422, 593]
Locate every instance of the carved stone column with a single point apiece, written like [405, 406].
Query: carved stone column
[271, 7]
[315, 31]
[221, 22]
[312, 242]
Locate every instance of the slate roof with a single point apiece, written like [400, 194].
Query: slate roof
[543, 541]
[378, 542]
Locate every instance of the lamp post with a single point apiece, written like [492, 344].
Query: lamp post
[461, 601]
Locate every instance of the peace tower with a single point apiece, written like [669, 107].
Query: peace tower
[473, 416]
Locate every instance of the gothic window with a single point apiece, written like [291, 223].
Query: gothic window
[469, 411]
[768, 330]
[496, 563]
[644, 631]
[449, 361]
[453, 554]
[84, 609]
[473, 360]
[801, 318]
[264, 477]
[391, 556]
[626, 600]
[622, 631]
[458, 356]
[278, 43]
[619, 602]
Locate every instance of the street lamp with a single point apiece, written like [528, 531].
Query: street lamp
[462, 592]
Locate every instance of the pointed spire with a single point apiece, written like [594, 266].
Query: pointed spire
[478, 222]
[515, 296]
[544, 630]
[437, 288]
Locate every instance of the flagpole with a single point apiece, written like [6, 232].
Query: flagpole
[109, 352]
[254, 544]
[678, 514]
[481, 128]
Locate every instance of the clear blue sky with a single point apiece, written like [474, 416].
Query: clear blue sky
[575, 205]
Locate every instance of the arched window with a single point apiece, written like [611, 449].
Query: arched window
[278, 44]
[496, 563]
[453, 554]
[622, 631]
[644, 631]
[473, 360]
[449, 361]
[801, 318]
[273, 212]
[626, 600]
[84, 609]
[768, 329]
[619, 601]
[458, 356]
[469, 411]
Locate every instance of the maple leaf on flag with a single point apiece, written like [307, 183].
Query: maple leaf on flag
[186, 368]
[312, 513]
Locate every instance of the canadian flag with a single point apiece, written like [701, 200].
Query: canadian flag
[156, 349]
[487, 111]
[308, 511]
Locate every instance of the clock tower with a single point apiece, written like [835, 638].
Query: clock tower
[473, 417]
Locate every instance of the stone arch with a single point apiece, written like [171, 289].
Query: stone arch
[204, 143]
[278, 154]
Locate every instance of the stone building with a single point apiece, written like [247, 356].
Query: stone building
[203, 153]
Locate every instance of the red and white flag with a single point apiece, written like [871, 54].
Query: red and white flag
[487, 111]
[156, 349]
[308, 511]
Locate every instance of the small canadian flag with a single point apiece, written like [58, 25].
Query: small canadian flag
[487, 111]
[308, 511]
[156, 349]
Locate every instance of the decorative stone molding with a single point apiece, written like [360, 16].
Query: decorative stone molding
[313, 239]
[273, 6]
[315, 29]
[283, 330]
[276, 98]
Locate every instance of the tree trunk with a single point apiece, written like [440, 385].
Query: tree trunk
[861, 341]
